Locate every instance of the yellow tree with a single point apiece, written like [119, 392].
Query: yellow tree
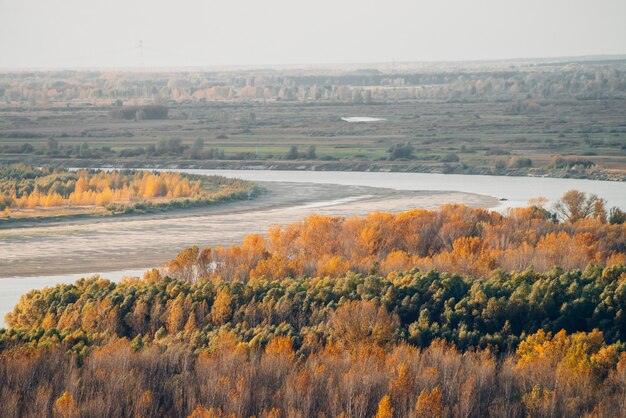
[332, 266]
[176, 318]
[65, 406]
[183, 266]
[385, 410]
[430, 404]
[221, 310]
[401, 387]
[280, 346]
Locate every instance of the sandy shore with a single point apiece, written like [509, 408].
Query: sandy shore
[110, 244]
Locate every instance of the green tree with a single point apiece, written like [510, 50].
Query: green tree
[292, 154]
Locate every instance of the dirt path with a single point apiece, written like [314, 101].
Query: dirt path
[111, 244]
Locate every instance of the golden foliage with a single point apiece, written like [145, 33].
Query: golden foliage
[280, 346]
[430, 404]
[385, 410]
[455, 239]
[65, 406]
[85, 188]
[221, 309]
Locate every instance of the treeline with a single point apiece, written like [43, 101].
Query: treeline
[518, 85]
[455, 239]
[27, 187]
[172, 147]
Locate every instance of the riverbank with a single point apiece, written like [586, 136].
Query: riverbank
[383, 166]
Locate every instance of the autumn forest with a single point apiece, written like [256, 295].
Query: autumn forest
[453, 312]
[329, 209]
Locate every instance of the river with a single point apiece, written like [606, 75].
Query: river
[517, 190]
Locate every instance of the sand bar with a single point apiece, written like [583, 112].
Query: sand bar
[130, 242]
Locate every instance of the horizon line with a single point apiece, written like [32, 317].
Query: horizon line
[321, 65]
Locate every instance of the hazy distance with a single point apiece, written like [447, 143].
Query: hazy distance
[79, 33]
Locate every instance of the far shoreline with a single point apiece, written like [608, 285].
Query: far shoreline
[408, 166]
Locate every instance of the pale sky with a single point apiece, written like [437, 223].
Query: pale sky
[107, 33]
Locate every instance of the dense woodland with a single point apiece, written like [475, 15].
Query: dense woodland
[455, 312]
[24, 187]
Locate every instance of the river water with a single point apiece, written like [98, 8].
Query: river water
[515, 190]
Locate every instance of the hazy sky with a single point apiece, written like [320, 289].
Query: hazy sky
[106, 33]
